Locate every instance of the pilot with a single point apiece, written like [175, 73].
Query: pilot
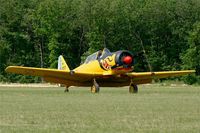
[99, 55]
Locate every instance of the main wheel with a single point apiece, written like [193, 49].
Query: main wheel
[133, 88]
[95, 87]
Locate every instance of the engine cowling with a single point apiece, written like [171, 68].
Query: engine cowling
[124, 58]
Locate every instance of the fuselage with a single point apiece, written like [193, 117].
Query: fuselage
[112, 65]
[107, 62]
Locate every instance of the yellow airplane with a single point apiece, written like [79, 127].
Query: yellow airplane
[102, 68]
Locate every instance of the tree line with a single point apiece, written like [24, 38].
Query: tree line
[34, 33]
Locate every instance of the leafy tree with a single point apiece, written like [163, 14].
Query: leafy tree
[191, 58]
[35, 33]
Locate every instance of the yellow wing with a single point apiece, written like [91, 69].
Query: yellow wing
[157, 75]
[53, 73]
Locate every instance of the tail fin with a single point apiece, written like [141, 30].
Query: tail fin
[62, 65]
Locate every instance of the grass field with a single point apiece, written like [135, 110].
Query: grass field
[154, 109]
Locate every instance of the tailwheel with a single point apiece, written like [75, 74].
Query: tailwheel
[95, 87]
[66, 89]
[133, 88]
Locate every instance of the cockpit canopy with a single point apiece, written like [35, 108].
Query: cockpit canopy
[98, 55]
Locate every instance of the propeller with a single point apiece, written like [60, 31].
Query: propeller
[127, 60]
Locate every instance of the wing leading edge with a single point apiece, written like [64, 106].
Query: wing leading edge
[53, 73]
[157, 75]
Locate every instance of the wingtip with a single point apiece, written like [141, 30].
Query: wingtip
[192, 71]
[9, 68]
[188, 71]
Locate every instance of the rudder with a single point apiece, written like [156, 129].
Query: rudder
[62, 65]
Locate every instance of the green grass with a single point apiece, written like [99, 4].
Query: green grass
[154, 109]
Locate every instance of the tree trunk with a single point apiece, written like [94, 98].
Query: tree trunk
[41, 56]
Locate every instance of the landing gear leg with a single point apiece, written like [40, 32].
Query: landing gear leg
[133, 88]
[95, 87]
[66, 89]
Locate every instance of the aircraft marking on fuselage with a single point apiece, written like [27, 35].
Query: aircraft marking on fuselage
[106, 63]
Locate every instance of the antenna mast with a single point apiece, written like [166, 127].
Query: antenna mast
[146, 57]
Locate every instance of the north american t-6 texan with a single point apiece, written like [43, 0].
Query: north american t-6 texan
[102, 68]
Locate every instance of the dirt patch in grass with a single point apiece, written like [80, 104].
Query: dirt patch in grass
[27, 85]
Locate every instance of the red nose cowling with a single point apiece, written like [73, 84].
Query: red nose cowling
[128, 60]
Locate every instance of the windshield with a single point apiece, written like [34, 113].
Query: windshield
[105, 53]
[91, 57]
[98, 55]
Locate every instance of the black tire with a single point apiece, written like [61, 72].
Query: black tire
[66, 89]
[133, 88]
[95, 88]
